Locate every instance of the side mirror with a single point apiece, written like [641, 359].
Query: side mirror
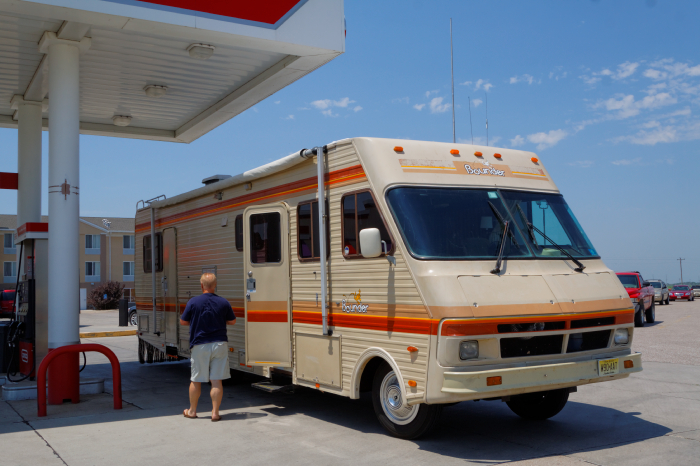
[370, 242]
[646, 284]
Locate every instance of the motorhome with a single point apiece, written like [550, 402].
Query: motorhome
[426, 273]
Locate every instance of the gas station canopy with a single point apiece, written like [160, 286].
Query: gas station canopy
[167, 70]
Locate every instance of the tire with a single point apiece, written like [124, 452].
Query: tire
[651, 313]
[540, 405]
[133, 318]
[400, 421]
[639, 316]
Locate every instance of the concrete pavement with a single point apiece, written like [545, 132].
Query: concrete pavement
[653, 417]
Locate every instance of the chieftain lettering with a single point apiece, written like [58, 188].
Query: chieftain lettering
[484, 171]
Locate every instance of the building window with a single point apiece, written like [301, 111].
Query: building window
[128, 293]
[265, 238]
[147, 253]
[129, 245]
[307, 231]
[239, 233]
[360, 211]
[9, 272]
[92, 271]
[9, 244]
[128, 271]
[92, 244]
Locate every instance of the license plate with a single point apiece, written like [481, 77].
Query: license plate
[608, 366]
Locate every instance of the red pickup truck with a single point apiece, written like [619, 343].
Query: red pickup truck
[641, 293]
[7, 298]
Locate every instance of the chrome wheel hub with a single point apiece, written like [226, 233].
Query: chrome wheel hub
[392, 403]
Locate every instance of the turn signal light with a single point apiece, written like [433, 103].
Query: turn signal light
[398, 149]
[629, 364]
[493, 381]
[318, 385]
[454, 152]
[535, 159]
[498, 156]
[478, 154]
[412, 383]
[230, 350]
[412, 349]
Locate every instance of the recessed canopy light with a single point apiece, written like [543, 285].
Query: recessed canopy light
[121, 120]
[155, 91]
[201, 51]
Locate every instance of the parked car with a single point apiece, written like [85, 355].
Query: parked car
[7, 297]
[642, 295]
[683, 292]
[696, 290]
[661, 293]
[671, 294]
[133, 317]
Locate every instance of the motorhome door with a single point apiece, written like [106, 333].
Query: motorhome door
[266, 260]
[169, 286]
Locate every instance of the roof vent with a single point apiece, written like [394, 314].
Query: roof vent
[214, 179]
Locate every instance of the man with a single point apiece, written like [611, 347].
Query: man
[207, 316]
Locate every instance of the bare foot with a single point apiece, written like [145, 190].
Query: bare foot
[215, 418]
[189, 415]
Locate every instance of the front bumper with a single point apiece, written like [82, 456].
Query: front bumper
[517, 380]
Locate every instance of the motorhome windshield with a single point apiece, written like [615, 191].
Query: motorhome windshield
[454, 224]
[537, 214]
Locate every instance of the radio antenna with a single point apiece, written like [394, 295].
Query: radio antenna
[452, 69]
[471, 128]
[487, 118]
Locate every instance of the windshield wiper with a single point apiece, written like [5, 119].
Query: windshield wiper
[580, 265]
[504, 235]
[503, 223]
[528, 224]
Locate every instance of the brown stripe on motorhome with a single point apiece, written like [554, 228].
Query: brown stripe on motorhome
[338, 177]
[369, 322]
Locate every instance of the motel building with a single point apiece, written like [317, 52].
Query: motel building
[106, 246]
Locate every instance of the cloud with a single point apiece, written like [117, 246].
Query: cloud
[428, 93]
[546, 140]
[668, 68]
[624, 70]
[277, 101]
[517, 141]
[558, 74]
[326, 105]
[477, 102]
[357, 109]
[400, 100]
[289, 117]
[582, 163]
[626, 161]
[524, 78]
[419, 107]
[653, 132]
[625, 106]
[436, 105]
[479, 84]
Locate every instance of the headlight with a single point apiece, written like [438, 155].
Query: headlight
[469, 349]
[622, 336]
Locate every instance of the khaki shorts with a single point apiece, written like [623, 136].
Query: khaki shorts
[210, 362]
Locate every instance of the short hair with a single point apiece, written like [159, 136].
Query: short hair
[208, 281]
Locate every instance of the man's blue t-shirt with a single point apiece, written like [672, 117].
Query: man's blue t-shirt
[207, 315]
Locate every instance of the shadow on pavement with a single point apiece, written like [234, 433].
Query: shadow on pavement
[484, 431]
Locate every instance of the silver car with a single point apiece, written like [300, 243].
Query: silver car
[696, 290]
[660, 291]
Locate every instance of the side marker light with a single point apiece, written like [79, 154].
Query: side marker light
[454, 152]
[478, 154]
[318, 385]
[535, 159]
[412, 383]
[498, 156]
[629, 364]
[493, 381]
[412, 349]
[398, 149]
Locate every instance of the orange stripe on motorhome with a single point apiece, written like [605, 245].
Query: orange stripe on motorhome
[453, 328]
[267, 316]
[367, 322]
[339, 176]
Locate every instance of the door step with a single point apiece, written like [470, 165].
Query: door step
[269, 387]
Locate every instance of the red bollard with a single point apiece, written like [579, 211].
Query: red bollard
[71, 350]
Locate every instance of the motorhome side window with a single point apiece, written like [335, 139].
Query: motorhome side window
[308, 235]
[147, 266]
[239, 233]
[360, 211]
[265, 238]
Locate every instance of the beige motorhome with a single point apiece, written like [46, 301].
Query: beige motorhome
[453, 272]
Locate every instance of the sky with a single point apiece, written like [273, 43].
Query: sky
[606, 92]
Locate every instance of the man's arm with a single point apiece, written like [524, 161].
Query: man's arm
[184, 322]
[230, 316]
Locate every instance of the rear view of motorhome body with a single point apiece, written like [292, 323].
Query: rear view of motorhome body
[453, 272]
